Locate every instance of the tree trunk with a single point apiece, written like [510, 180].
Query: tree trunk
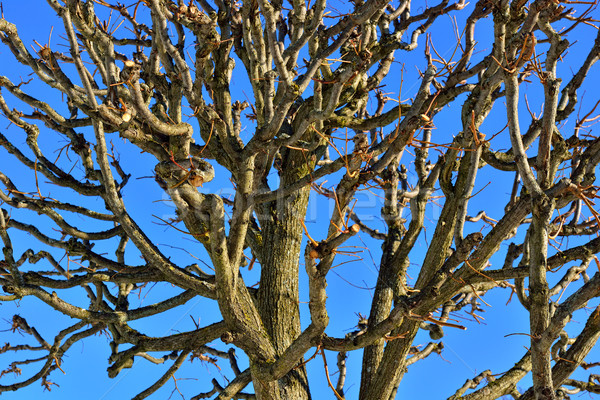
[278, 295]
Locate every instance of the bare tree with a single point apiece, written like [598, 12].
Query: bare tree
[158, 74]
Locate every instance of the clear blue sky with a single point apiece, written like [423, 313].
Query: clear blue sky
[483, 345]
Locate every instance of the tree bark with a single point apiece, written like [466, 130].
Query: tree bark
[278, 295]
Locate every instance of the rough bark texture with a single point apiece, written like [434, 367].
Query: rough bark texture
[285, 105]
[278, 296]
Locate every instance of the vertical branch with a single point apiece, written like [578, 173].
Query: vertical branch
[241, 212]
[271, 16]
[463, 201]
[551, 91]
[341, 363]
[512, 101]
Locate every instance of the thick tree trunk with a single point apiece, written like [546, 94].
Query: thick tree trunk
[278, 294]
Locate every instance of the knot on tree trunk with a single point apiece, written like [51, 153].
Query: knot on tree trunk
[176, 172]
